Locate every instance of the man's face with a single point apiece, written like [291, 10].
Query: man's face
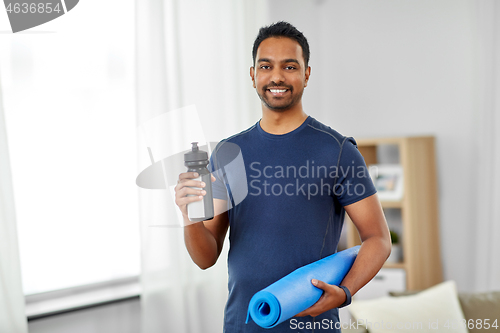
[280, 74]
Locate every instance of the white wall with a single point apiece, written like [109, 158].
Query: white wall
[394, 67]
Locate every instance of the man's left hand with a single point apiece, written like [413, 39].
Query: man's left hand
[332, 297]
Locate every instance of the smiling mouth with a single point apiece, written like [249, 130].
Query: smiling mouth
[278, 92]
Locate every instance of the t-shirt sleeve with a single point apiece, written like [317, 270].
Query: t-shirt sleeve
[228, 168]
[219, 190]
[354, 182]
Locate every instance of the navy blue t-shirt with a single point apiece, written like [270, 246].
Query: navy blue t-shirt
[285, 198]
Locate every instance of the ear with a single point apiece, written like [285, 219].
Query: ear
[252, 75]
[308, 72]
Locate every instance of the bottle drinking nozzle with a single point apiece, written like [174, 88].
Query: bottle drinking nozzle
[196, 161]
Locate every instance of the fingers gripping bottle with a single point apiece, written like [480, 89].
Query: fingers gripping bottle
[196, 161]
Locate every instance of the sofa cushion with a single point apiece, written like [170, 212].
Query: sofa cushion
[432, 310]
[404, 293]
[480, 306]
[477, 307]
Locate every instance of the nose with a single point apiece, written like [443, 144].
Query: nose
[277, 76]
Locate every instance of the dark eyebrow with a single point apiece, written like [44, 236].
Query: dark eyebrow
[284, 61]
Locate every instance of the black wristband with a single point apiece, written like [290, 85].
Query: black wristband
[348, 297]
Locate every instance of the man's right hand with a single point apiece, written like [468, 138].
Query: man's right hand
[184, 187]
[204, 240]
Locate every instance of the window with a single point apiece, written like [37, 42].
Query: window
[68, 96]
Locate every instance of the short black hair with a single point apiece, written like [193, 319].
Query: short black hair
[282, 29]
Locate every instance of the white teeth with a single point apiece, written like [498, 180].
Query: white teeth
[277, 90]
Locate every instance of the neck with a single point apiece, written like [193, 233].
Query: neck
[282, 122]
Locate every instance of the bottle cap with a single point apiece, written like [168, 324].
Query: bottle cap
[195, 154]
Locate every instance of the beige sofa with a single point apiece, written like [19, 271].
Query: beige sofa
[476, 307]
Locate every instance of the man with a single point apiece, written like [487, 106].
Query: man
[302, 176]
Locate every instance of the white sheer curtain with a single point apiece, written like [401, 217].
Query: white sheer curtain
[487, 225]
[193, 84]
[12, 312]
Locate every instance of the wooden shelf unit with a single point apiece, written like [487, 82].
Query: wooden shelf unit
[419, 208]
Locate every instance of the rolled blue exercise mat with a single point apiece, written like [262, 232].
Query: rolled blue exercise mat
[294, 293]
